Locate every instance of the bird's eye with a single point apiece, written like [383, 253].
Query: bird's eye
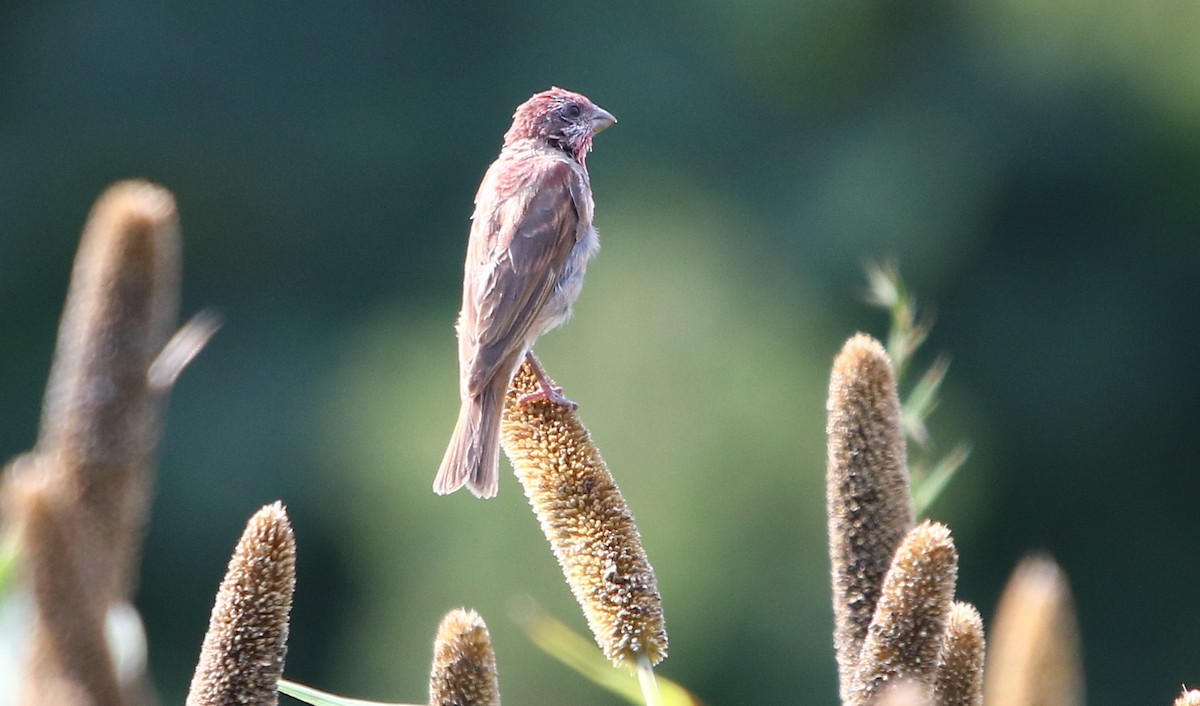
[572, 111]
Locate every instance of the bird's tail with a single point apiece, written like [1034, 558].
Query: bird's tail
[473, 456]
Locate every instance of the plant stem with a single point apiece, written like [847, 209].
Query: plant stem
[645, 674]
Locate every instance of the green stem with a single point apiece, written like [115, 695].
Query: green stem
[645, 674]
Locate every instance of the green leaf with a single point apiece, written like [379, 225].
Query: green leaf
[10, 557]
[928, 486]
[581, 655]
[922, 400]
[309, 695]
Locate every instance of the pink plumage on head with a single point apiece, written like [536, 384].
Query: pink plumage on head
[540, 118]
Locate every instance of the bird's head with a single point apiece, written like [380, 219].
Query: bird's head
[561, 119]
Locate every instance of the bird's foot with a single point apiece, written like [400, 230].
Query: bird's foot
[546, 390]
[549, 393]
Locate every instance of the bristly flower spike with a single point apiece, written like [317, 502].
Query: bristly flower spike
[243, 653]
[959, 679]
[464, 664]
[587, 523]
[905, 692]
[68, 660]
[100, 417]
[1035, 655]
[905, 636]
[867, 492]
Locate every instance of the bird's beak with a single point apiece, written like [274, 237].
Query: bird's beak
[601, 119]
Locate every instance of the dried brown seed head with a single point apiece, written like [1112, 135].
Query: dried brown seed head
[68, 660]
[464, 664]
[243, 653]
[867, 491]
[905, 692]
[1034, 658]
[905, 636]
[100, 419]
[959, 680]
[120, 311]
[587, 523]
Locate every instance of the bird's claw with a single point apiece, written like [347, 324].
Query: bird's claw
[546, 390]
[548, 393]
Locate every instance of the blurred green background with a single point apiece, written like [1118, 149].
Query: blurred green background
[1034, 168]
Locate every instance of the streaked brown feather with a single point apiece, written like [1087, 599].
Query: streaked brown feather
[526, 234]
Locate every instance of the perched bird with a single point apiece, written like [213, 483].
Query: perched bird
[531, 238]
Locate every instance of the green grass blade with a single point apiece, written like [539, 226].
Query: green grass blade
[929, 486]
[309, 695]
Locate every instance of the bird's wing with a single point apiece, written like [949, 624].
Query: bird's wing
[524, 229]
